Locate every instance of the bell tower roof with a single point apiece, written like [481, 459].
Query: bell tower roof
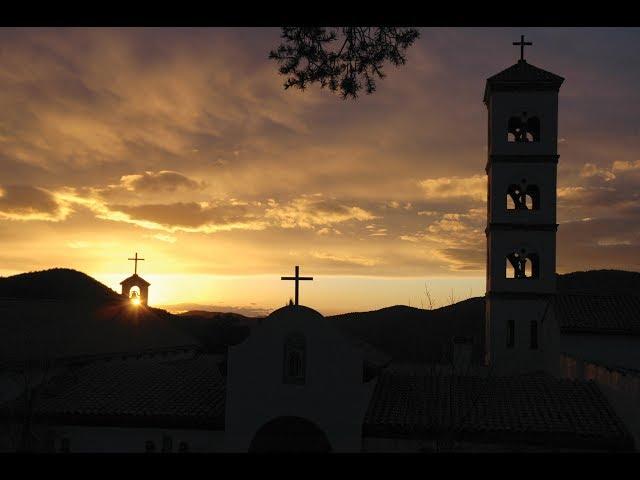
[522, 76]
[135, 279]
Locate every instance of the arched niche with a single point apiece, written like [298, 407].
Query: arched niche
[521, 264]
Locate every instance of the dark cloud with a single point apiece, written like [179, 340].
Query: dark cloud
[25, 200]
[165, 180]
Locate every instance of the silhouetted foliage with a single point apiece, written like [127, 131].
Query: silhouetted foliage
[345, 59]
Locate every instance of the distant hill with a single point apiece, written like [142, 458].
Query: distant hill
[417, 335]
[204, 314]
[214, 330]
[406, 333]
[56, 283]
[191, 308]
[74, 314]
[413, 334]
[600, 282]
[62, 313]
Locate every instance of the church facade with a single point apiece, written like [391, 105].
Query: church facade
[295, 368]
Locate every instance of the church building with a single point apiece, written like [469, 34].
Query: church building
[297, 383]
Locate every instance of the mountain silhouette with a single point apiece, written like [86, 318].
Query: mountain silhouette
[214, 330]
[601, 282]
[73, 314]
[417, 335]
[66, 315]
[56, 283]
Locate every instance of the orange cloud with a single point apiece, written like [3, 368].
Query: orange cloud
[474, 187]
[27, 203]
[345, 259]
[164, 180]
[310, 211]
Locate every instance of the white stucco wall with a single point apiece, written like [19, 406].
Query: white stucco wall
[333, 397]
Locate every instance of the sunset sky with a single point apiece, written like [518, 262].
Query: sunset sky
[181, 145]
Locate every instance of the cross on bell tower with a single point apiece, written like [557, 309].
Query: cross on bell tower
[297, 279]
[522, 44]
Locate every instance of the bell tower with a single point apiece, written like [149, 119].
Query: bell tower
[137, 281]
[521, 332]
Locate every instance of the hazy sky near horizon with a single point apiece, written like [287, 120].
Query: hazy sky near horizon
[182, 145]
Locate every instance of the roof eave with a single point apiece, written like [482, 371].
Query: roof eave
[512, 86]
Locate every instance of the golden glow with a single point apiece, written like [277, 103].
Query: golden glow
[198, 159]
[135, 301]
[257, 295]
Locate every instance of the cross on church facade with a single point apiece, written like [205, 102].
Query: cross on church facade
[136, 259]
[522, 44]
[297, 279]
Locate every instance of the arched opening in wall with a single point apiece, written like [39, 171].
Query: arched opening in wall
[514, 197]
[521, 196]
[533, 270]
[523, 128]
[290, 435]
[521, 264]
[532, 197]
[134, 294]
[528, 269]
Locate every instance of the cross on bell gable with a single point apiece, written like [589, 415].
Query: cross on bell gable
[136, 260]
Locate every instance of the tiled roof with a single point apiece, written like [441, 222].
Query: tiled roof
[190, 393]
[187, 393]
[525, 75]
[603, 314]
[532, 408]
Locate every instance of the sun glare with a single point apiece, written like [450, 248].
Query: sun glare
[135, 301]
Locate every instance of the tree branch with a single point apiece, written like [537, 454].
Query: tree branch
[306, 55]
